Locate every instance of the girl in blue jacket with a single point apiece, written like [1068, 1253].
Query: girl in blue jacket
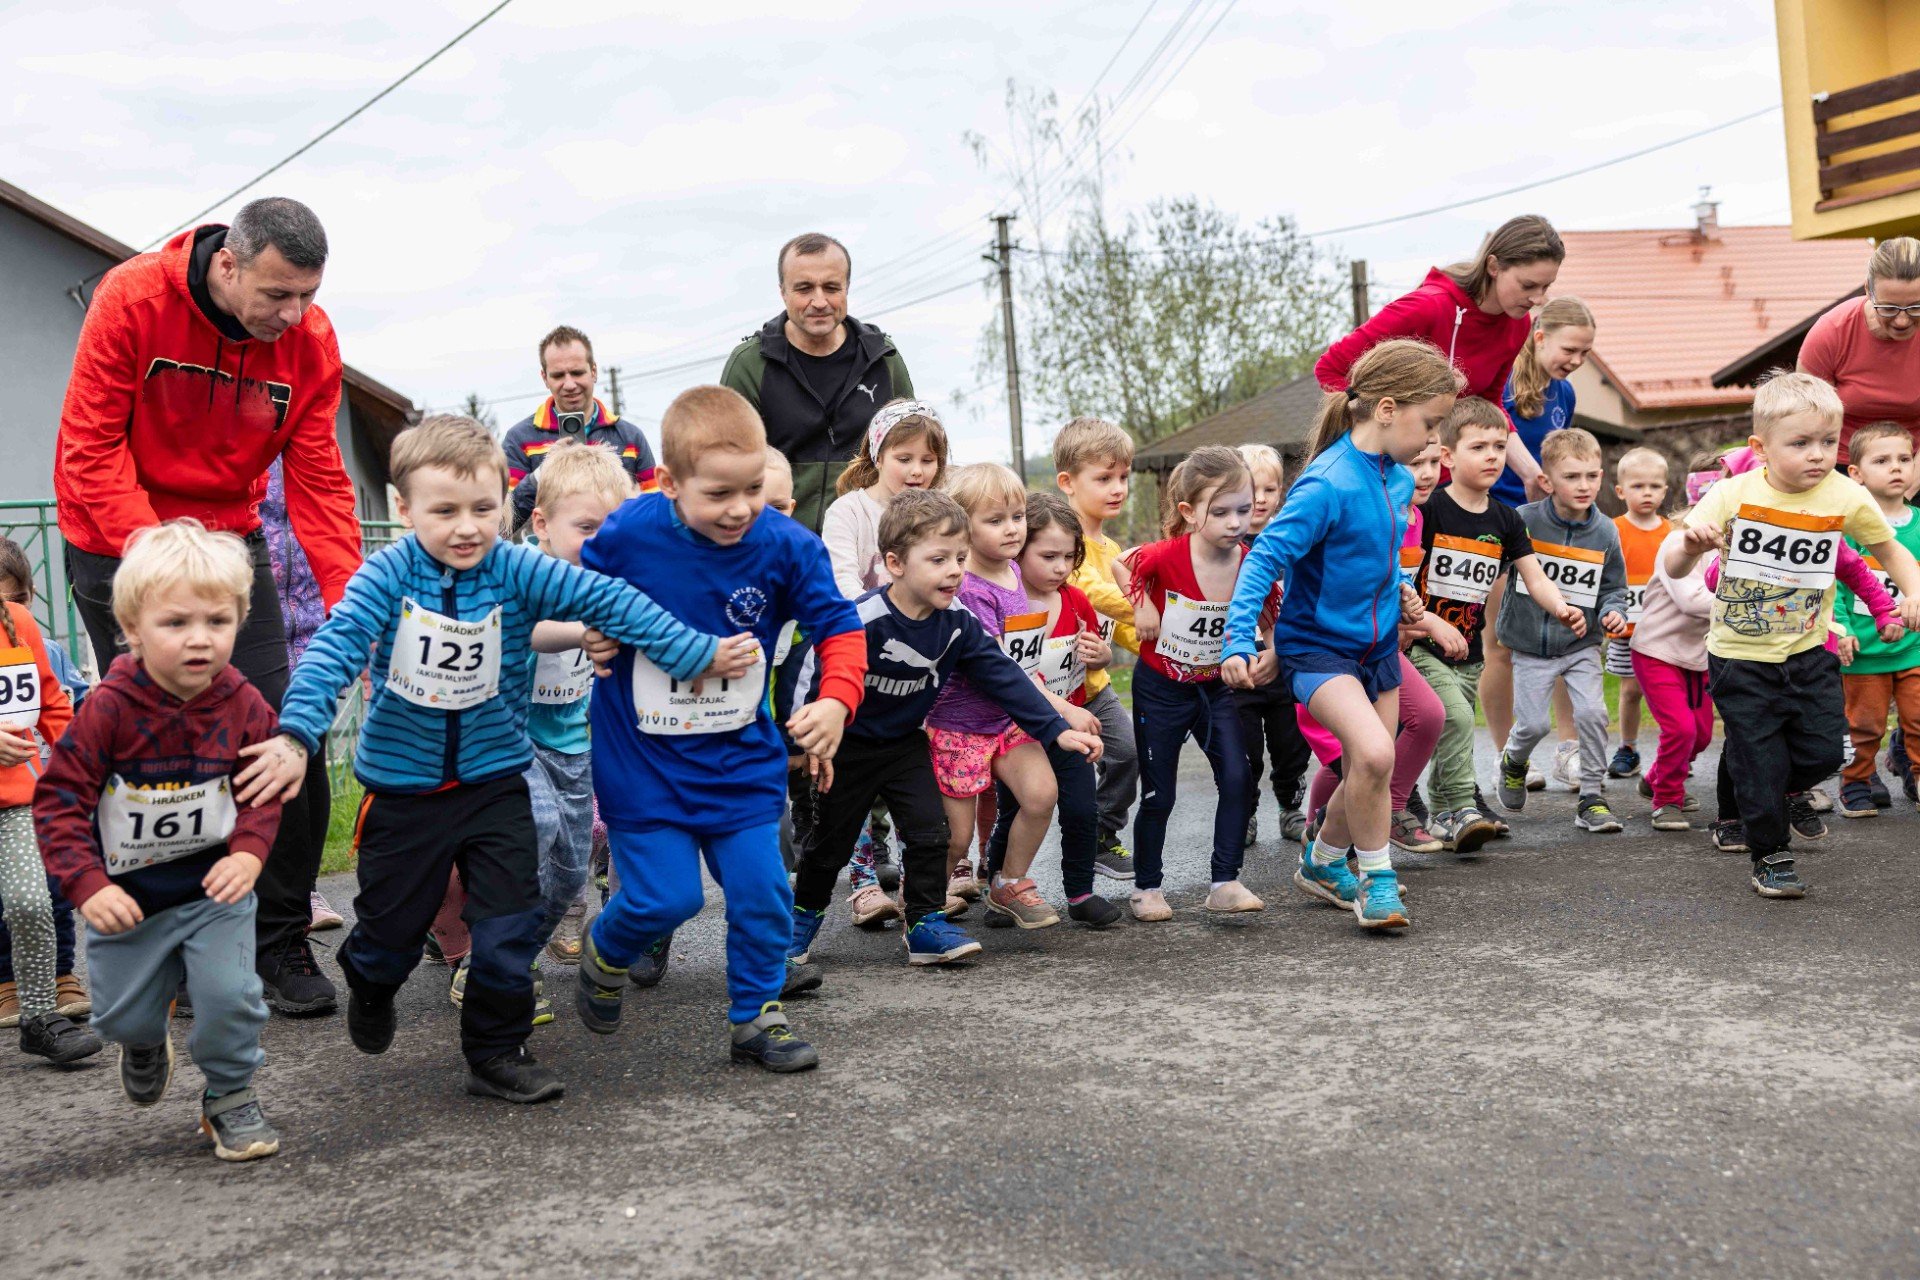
[1336, 544]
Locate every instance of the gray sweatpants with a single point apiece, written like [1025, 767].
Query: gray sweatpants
[1533, 708]
[1119, 766]
[136, 973]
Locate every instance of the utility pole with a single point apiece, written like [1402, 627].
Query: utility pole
[613, 389]
[1003, 246]
[1361, 311]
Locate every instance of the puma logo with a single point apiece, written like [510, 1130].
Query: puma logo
[861, 386]
[907, 655]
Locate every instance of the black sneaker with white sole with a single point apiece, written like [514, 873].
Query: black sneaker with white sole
[516, 1077]
[1774, 877]
[292, 982]
[1806, 824]
[1729, 835]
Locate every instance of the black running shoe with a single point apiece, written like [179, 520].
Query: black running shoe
[57, 1038]
[1774, 877]
[1877, 788]
[516, 1077]
[370, 1019]
[1806, 824]
[1095, 912]
[145, 1070]
[1729, 836]
[800, 979]
[597, 998]
[293, 983]
[768, 1041]
[652, 964]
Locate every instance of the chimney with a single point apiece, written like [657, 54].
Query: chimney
[1706, 216]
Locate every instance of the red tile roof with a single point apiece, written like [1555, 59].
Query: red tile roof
[1672, 308]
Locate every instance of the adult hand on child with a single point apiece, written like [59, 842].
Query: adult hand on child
[112, 910]
[816, 727]
[278, 768]
[1845, 648]
[16, 745]
[601, 650]
[1237, 673]
[1087, 744]
[231, 879]
[1575, 620]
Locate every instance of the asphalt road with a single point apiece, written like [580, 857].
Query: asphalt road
[1590, 1056]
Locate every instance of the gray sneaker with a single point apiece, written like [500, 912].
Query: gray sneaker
[1114, 861]
[1671, 817]
[1593, 815]
[1513, 783]
[238, 1127]
[1466, 829]
[1293, 826]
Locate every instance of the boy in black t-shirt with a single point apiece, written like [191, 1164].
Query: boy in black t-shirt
[1469, 539]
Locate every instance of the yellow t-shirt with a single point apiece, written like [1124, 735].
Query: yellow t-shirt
[1775, 597]
[1095, 578]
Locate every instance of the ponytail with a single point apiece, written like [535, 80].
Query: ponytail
[1530, 377]
[1405, 370]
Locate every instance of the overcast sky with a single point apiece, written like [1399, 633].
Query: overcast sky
[630, 168]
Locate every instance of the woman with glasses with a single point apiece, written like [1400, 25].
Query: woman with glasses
[1865, 347]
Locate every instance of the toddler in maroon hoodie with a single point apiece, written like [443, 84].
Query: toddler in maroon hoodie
[138, 819]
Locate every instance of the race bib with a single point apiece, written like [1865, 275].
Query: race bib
[560, 679]
[666, 706]
[19, 688]
[1022, 640]
[1462, 569]
[1859, 605]
[142, 826]
[789, 636]
[1059, 665]
[1575, 570]
[442, 663]
[1636, 600]
[1411, 558]
[1193, 633]
[1782, 548]
[1106, 628]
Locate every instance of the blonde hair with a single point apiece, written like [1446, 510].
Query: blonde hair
[186, 553]
[975, 486]
[1209, 468]
[914, 515]
[1085, 441]
[1640, 453]
[1568, 442]
[573, 468]
[863, 472]
[1468, 412]
[1785, 393]
[702, 420]
[1895, 259]
[1408, 370]
[1264, 457]
[450, 441]
[1528, 238]
[777, 461]
[1530, 376]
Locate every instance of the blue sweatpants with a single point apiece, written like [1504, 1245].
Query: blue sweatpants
[560, 787]
[660, 891]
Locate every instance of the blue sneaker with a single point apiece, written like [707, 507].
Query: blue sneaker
[1334, 884]
[1377, 903]
[934, 939]
[806, 927]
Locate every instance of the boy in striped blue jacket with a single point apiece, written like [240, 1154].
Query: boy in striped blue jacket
[448, 613]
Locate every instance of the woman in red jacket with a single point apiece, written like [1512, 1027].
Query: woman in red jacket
[1475, 312]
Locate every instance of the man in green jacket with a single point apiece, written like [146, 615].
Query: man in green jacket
[815, 373]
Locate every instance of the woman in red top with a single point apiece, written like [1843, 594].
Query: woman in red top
[1181, 588]
[1058, 643]
[1476, 312]
[1865, 347]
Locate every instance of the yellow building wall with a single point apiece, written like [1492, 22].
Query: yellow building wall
[1829, 45]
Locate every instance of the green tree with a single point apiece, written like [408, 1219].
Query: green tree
[481, 412]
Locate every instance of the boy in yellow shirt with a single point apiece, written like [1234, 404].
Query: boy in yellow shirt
[1778, 530]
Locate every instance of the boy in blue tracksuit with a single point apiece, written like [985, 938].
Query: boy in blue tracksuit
[686, 771]
[446, 613]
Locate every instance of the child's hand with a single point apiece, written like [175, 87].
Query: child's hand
[1613, 623]
[1892, 633]
[1846, 647]
[1146, 622]
[1265, 667]
[1237, 672]
[1910, 613]
[279, 767]
[1701, 539]
[733, 657]
[821, 772]
[231, 879]
[1575, 620]
[1412, 608]
[112, 910]
[1447, 636]
[16, 745]
[1087, 744]
[1084, 720]
[601, 650]
[816, 727]
[1093, 652]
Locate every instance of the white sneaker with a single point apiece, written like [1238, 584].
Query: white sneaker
[1566, 765]
[1150, 905]
[1234, 896]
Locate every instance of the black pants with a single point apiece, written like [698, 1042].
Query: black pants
[260, 653]
[1784, 722]
[406, 846]
[900, 772]
[1079, 811]
[1267, 718]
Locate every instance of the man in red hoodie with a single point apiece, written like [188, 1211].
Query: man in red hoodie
[197, 367]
